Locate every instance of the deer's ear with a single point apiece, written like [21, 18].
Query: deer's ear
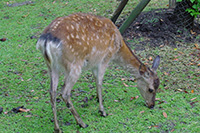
[143, 70]
[156, 63]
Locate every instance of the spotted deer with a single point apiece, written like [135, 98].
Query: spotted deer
[84, 41]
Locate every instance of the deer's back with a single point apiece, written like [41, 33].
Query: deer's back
[81, 37]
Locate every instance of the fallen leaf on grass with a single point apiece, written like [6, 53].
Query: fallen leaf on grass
[180, 52]
[28, 116]
[122, 79]
[20, 109]
[150, 58]
[153, 126]
[5, 112]
[192, 103]
[179, 90]
[125, 84]
[160, 102]
[24, 110]
[192, 32]
[176, 59]
[116, 100]
[21, 79]
[196, 45]
[141, 112]
[36, 98]
[193, 98]
[165, 114]
[24, 16]
[166, 73]
[182, 90]
[3, 39]
[157, 99]
[136, 97]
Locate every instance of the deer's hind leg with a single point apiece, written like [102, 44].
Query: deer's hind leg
[54, 77]
[71, 77]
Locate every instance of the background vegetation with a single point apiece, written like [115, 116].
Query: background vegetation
[24, 80]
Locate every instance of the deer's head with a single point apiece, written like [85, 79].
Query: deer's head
[148, 82]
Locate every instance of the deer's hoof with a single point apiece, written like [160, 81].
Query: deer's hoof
[57, 131]
[83, 126]
[103, 113]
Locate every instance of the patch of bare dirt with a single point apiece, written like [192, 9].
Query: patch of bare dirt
[158, 27]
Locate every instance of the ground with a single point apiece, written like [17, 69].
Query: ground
[158, 28]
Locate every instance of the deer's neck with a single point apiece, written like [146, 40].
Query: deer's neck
[128, 61]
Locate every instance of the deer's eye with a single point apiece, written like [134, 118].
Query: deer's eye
[150, 90]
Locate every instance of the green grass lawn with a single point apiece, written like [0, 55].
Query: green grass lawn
[24, 80]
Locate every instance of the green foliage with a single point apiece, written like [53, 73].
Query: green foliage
[195, 10]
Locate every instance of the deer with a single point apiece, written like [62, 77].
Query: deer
[83, 41]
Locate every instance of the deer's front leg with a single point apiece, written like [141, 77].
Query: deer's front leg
[98, 75]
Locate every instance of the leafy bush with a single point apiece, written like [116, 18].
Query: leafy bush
[195, 10]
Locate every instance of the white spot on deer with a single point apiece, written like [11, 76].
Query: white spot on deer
[91, 18]
[106, 42]
[93, 50]
[87, 17]
[78, 18]
[84, 27]
[97, 36]
[72, 27]
[80, 43]
[97, 23]
[100, 22]
[77, 26]
[85, 48]
[82, 30]
[77, 36]
[101, 41]
[74, 18]
[92, 38]
[67, 27]
[106, 25]
[93, 28]
[83, 38]
[72, 35]
[68, 37]
[110, 49]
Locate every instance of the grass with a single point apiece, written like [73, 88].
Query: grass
[24, 80]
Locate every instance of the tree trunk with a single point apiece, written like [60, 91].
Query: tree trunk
[182, 17]
[172, 3]
[133, 15]
[119, 10]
